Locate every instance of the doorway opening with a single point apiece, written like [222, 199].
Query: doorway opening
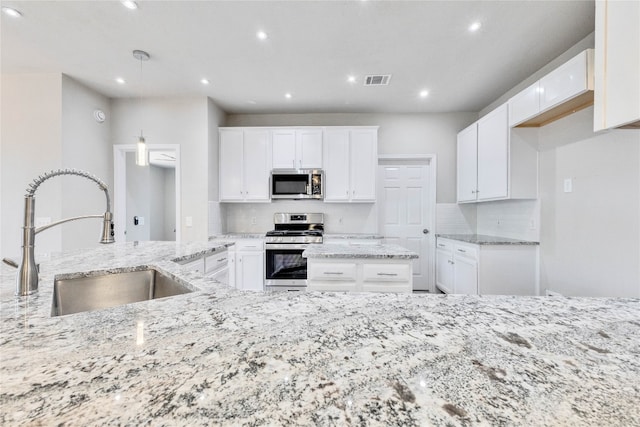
[407, 210]
[147, 199]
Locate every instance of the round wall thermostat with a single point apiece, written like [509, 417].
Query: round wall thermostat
[99, 115]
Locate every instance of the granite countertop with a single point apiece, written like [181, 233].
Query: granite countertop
[337, 250]
[232, 236]
[482, 239]
[225, 357]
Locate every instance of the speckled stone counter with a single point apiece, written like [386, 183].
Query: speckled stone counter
[336, 250]
[232, 236]
[353, 236]
[225, 357]
[482, 239]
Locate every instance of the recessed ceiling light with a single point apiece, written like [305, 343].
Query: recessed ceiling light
[204, 81]
[475, 27]
[351, 79]
[9, 11]
[130, 4]
[287, 95]
[424, 93]
[120, 80]
[261, 35]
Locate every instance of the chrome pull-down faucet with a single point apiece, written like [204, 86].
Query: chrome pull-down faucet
[27, 279]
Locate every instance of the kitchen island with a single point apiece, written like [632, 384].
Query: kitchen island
[220, 356]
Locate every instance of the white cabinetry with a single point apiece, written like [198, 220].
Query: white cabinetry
[245, 165]
[465, 268]
[495, 162]
[617, 65]
[563, 91]
[249, 264]
[359, 275]
[350, 161]
[297, 148]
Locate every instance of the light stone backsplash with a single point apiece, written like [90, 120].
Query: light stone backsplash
[338, 217]
[516, 219]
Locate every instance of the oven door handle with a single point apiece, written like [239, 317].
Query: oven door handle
[280, 246]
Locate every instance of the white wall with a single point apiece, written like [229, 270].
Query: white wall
[30, 145]
[398, 134]
[215, 118]
[590, 238]
[183, 121]
[85, 146]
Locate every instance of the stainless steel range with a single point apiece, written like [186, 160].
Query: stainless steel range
[285, 269]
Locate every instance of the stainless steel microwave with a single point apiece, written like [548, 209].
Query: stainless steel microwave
[297, 184]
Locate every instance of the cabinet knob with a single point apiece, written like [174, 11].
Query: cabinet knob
[425, 231]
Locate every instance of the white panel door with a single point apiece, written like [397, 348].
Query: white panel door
[309, 148]
[405, 216]
[493, 154]
[444, 271]
[250, 270]
[257, 165]
[284, 148]
[336, 166]
[364, 156]
[231, 165]
[467, 164]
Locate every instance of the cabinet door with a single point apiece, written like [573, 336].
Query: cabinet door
[257, 165]
[284, 149]
[336, 166]
[493, 155]
[444, 271]
[467, 163]
[364, 155]
[524, 105]
[617, 64]
[465, 276]
[250, 267]
[231, 165]
[565, 82]
[309, 148]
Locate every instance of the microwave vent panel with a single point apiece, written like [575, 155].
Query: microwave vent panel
[377, 80]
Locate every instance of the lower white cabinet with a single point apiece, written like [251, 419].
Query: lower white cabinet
[359, 275]
[488, 269]
[248, 265]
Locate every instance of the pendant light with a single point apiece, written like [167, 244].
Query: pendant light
[142, 154]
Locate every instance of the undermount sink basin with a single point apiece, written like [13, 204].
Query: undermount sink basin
[112, 289]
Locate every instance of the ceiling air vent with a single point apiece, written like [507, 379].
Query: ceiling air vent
[377, 80]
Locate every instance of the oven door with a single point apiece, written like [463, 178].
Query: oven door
[285, 266]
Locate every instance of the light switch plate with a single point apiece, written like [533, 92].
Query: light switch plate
[189, 221]
[568, 185]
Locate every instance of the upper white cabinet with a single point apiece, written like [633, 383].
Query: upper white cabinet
[617, 65]
[297, 148]
[245, 165]
[350, 160]
[495, 162]
[563, 91]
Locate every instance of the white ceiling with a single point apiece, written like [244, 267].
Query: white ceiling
[311, 49]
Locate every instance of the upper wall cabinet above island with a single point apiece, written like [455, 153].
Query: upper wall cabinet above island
[617, 65]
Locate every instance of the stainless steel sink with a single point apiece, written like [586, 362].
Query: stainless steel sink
[112, 289]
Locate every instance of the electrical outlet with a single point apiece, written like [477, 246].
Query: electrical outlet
[532, 224]
[253, 220]
[568, 185]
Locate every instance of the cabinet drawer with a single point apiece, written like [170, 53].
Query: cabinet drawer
[249, 244]
[469, 251]
[445, 245]
[386, 272]
[332, 271]
[216, 261]
[196, 265]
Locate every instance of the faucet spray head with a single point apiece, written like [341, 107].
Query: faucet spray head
[107, 231]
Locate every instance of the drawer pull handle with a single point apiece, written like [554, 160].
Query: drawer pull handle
[441, 245]
[333, 272]
[462, 250]
[388, 274]
[222, 260]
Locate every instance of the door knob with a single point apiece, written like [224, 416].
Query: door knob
[425, 231]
